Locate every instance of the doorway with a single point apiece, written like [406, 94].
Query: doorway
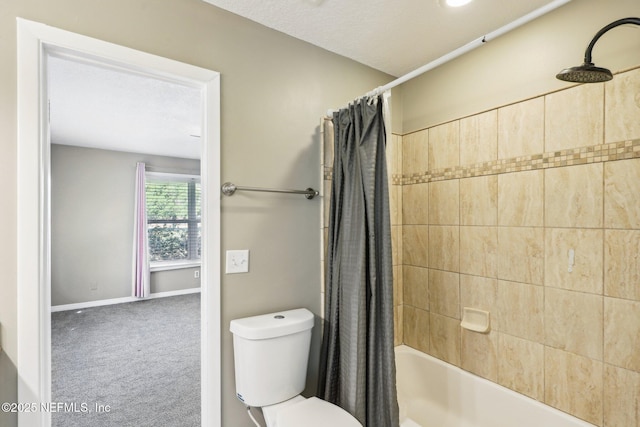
[35, 42]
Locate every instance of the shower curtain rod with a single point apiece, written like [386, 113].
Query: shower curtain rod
[464, 49]
[228, 189]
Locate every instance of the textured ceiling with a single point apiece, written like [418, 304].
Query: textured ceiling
[100, 107]
[96, 106]
[394, 36]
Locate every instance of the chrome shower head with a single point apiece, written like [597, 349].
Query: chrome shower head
[587, 72]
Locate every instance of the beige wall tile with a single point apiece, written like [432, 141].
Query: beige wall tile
[394, 155]
[398, 287]
[416, 328]
[479, 138]
[395, 204]
[573, 322]
[444, 247]
[415, 244]
[587, 269]
[521, 366]
[479, 354]
[479, 351]
[574, 196]
[416, 286]
[444, 146]
[622, 333]
[444, 338]
[574, 384]
[444, 293]
[574, 203]
[396, 244]
[621, 397]
[520, 198]
[622, 107]
[621, 190]
[415, 152]
[521, 254]
[444, 202]
[397, 140]
[521, 310]
[398, 325]
[479, 200]
[574, 117]
[481, 293]
[622, 264]
[479, 251]
[415, 204]
[521, 129]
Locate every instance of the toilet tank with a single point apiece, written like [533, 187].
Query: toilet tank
[271, 353]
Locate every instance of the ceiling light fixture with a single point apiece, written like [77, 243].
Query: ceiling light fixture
[456, 3]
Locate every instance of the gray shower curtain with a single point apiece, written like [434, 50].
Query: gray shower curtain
[357, 364]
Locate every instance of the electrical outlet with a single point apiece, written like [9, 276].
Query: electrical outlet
[237, 261]
[196, 274]
[94, 285]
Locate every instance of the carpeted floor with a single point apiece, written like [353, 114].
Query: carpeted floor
[142, 359]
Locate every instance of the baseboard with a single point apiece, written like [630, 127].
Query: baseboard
[98, 303]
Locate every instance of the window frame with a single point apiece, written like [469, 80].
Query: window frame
[165, 265]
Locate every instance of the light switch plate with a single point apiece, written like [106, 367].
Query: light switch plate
[237, 261]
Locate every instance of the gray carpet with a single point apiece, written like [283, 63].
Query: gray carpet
[141, 358]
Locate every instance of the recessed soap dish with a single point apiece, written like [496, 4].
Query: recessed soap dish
[475, 320]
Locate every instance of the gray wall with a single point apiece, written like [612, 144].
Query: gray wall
[174, 280]
[274, 90]
[92, 202]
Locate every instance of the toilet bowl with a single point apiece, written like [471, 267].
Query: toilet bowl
[311, 412]
[271, 353]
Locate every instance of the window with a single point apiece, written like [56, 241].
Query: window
[173, 218]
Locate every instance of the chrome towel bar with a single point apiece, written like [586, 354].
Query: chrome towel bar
[229, 188]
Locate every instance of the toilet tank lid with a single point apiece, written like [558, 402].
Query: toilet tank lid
[273, 324]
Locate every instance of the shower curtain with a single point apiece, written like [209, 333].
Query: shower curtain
[357, 365]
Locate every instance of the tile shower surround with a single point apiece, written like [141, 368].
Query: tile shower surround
[484, 210]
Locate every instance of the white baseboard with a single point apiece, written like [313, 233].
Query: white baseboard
[81, 305]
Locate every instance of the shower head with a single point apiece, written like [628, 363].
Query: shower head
[587, 72]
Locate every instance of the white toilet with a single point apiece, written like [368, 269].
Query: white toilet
[271, 353]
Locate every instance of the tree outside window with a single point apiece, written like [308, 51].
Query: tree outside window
[173, 217]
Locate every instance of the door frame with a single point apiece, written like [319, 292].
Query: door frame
[35, 42]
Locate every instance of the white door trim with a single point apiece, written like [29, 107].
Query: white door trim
[35, 41]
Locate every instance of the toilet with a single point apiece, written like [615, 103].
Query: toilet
[271, 353]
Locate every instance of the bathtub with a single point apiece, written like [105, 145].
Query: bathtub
[432, 393]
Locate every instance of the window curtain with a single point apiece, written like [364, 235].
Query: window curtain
[141, 275]
[357, 364]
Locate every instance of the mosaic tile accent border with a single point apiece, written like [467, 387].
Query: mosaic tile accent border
[577, 156]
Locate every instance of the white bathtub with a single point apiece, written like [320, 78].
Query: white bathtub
[432, 393]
